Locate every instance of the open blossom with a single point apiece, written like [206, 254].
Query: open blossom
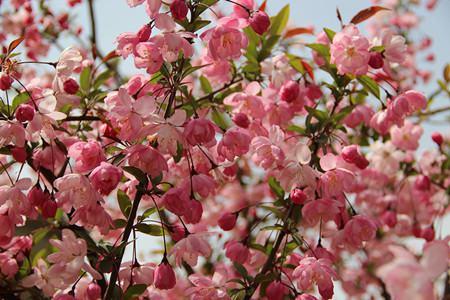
[235, 142]
[350, 51]
[358, 230]
[352, 155]
[237, 252]
[190, 248]
[127, 41]
[147, 159]
[320, 209]
[226, 40]
[69, 60]
[203, 185]
[105, 177]
[200, 131]
[87, 155]
[206, 288]
[267, 151]
[394, 46]
[319, 271]
[406, 137]
[177, 200]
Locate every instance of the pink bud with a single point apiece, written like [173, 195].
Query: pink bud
[94, 291]
[5, 81]
[37, 196]
[19, 154]
[24, 112]
[389, 218]
[352, 155]
[105, 177]
[179, 9]
[428, 233]
[298, 196]
[437, 138]
[194, 212]
[260, 22]
[289, 91]
[241, 120]
[144, 33]
[49, 209]
[376, 60]
[276, 290]
[164, 276]
[417, 231]
[422, 183]
[71, 86]
[177, 233]
[227, 221]
[237, 252]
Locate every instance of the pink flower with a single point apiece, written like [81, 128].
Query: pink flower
[394, 46]
[200, 132]
[176, 200]
[87, 155]
[276, 290]
[206, 288]
[406, 137]
[319, 271]
[350, 51]
[148, 159]
[148, 56]
[190, 248]
[360, 114]
[69, 60]
[225, 41]
[127, 41]
[237, 252]
[322, 38]
[105, 177]
[305, 297]
[203, 185]
[358, 230]
[75, 190]
[267, 151]
[164, 276]
[290, 91]
[193, 212]
[227, 221]
[325, 209]
[5, 81]
[352, 155]
[335, 182]
[235, 142]
[260, 22]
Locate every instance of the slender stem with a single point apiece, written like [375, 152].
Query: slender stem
[93, 26]
[126, 235]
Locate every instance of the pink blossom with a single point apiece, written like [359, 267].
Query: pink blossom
[179, 9]
[200, 131]
[164, 276]
[87, 155]
[69, 60]
[267, 151]
[190, 248]
[127, 41]
[320, 209]
[105, 177]
[203, 185]
[24, 113]
[406, 137]
[206, 288]
[227, 221]
[260, 22]
[335, 182]
[176, 200]
[148, 56]
[360, 114]
[276, 290]
[394, 46]
[352, 155]
[235, 142]
[193, 212]
[237, 252]
[437, 138]
[358, 230]
[312, 270]
[350, 51]
[5, 81]
[290, 91]
[148, 159]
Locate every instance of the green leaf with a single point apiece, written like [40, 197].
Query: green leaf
[134, 291]
[205, 85]
[330, 33]
[102, 78]
[219, 119]
[377, 48]
[124, 202]
[241, 269]
[321, 49]
[136, 173]
[149, 229]
[179, 154]
[296, 128]
[370, 84]
[320, 115]
[276, 188]
[267, 46]
[147, 213]
[19, 99]
[119, 223]
[85, 79]
[279, 22]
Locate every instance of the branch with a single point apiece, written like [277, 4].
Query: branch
[93, 26]
[126, 235]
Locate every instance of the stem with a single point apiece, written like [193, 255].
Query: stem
[93, 26]
[126, 235]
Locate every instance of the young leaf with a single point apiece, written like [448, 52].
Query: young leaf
[149, 229]
[370, 85]
[366, 14]
[134, 291]
[330, 33]
[85, 79]
[276, 188]
[124, 202]
[20, 99]
[279, 22]
[14, 44]
[323, 50]
[298, 31]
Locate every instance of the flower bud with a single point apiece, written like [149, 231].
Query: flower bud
[94, 291]
[227, 221]
[237, 252]
[71, 86]
[177, 233]
[352, 155]
[260, 22]
[428, 233]
[422, 183]
[289, 91]
[5, 81]
[298, 196]
[376, 60]
[164, 276]
[49, 209]
[37, 196]
[179, 9]
[24, 112]
[105, 177]
[276, 290]
[389, 218]
[19, 154]
[241, 120]
[437, 138]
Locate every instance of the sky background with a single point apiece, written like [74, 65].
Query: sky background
[115, 17]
